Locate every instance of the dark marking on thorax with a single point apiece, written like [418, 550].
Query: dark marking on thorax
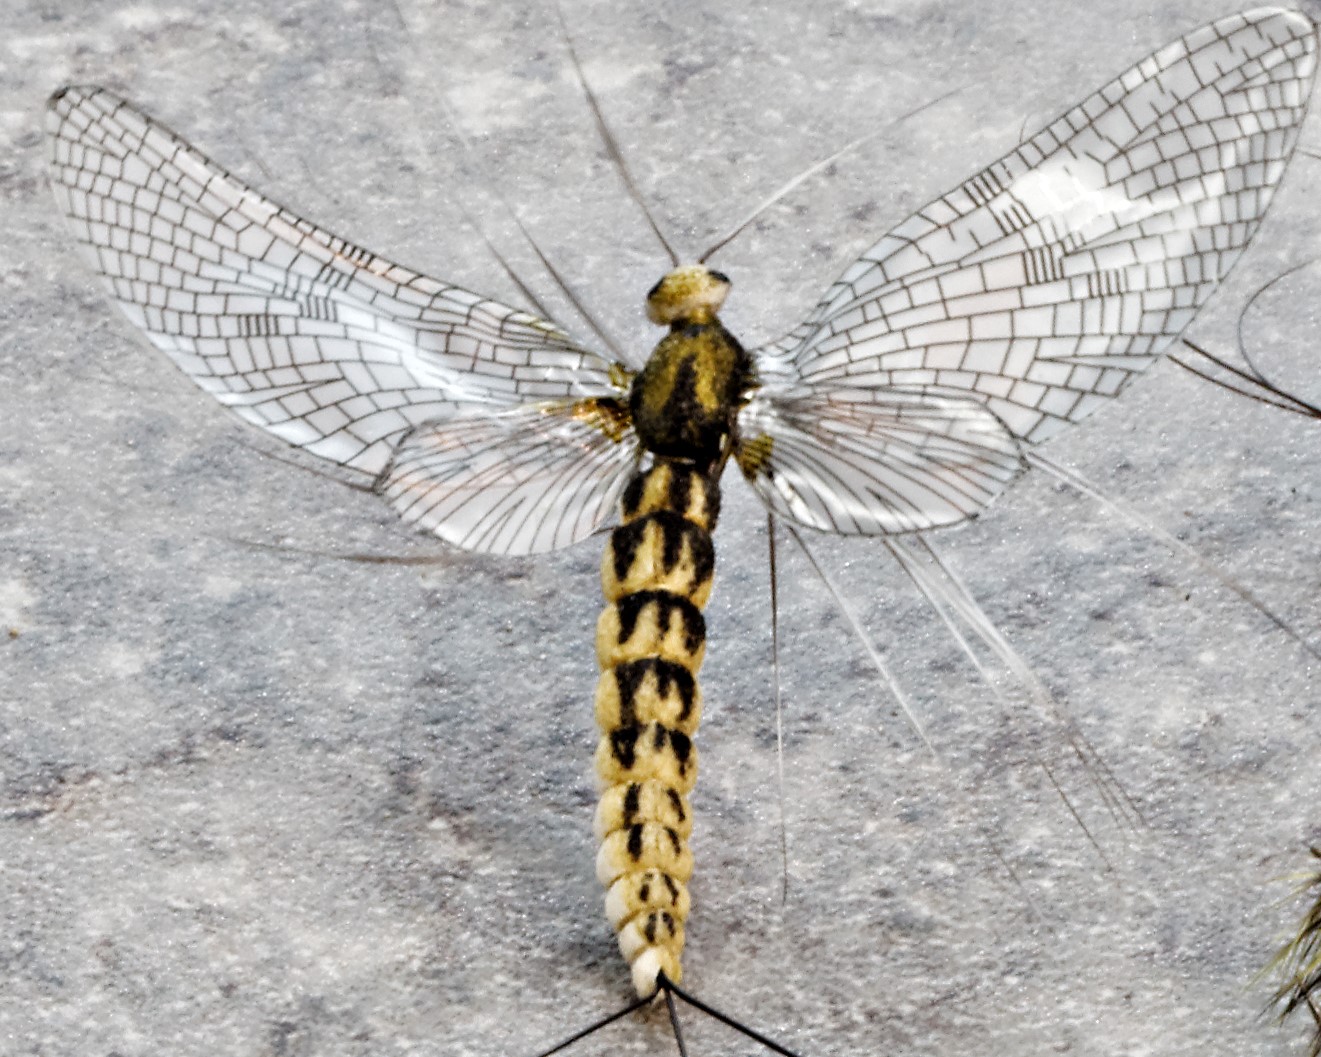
[685, 399]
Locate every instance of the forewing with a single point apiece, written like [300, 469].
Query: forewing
[1039, 287]
[526, 480]
[327, 346]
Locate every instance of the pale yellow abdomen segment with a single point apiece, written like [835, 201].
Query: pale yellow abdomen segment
[650, 640]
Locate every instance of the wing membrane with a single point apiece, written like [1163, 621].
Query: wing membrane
[1039, 287]
[318, 341]
[523, 481]
[868, 467]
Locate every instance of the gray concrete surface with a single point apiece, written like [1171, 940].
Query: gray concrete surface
[259, 801]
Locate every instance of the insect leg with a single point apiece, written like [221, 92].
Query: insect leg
[779, 706]
[1077, 481]
[852, 617]
[949, 590]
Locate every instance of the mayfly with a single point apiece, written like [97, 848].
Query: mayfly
[1298, 963]
[1002, 312]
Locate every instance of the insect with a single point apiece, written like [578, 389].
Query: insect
[1298, 963]
[474, 408]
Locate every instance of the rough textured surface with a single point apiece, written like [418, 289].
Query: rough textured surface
[256, 800]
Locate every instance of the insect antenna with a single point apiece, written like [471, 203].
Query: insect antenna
[1077, 481]
[813, 169]
[608, 139]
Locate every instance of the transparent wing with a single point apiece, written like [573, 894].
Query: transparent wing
[869, 464]
[315, 340]
[1039, 287]
[527, 480]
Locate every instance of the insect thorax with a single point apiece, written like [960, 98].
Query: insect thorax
[684, 401]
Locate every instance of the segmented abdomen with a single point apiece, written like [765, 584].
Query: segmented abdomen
[656, 576]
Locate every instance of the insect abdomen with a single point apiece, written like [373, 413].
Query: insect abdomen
[650, 639]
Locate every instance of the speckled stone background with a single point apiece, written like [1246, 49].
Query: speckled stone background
[259, 800]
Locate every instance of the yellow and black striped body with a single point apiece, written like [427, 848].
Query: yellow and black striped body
[656, 576]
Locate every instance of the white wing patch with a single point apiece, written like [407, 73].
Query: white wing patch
[1039, 287]
[318, 341]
